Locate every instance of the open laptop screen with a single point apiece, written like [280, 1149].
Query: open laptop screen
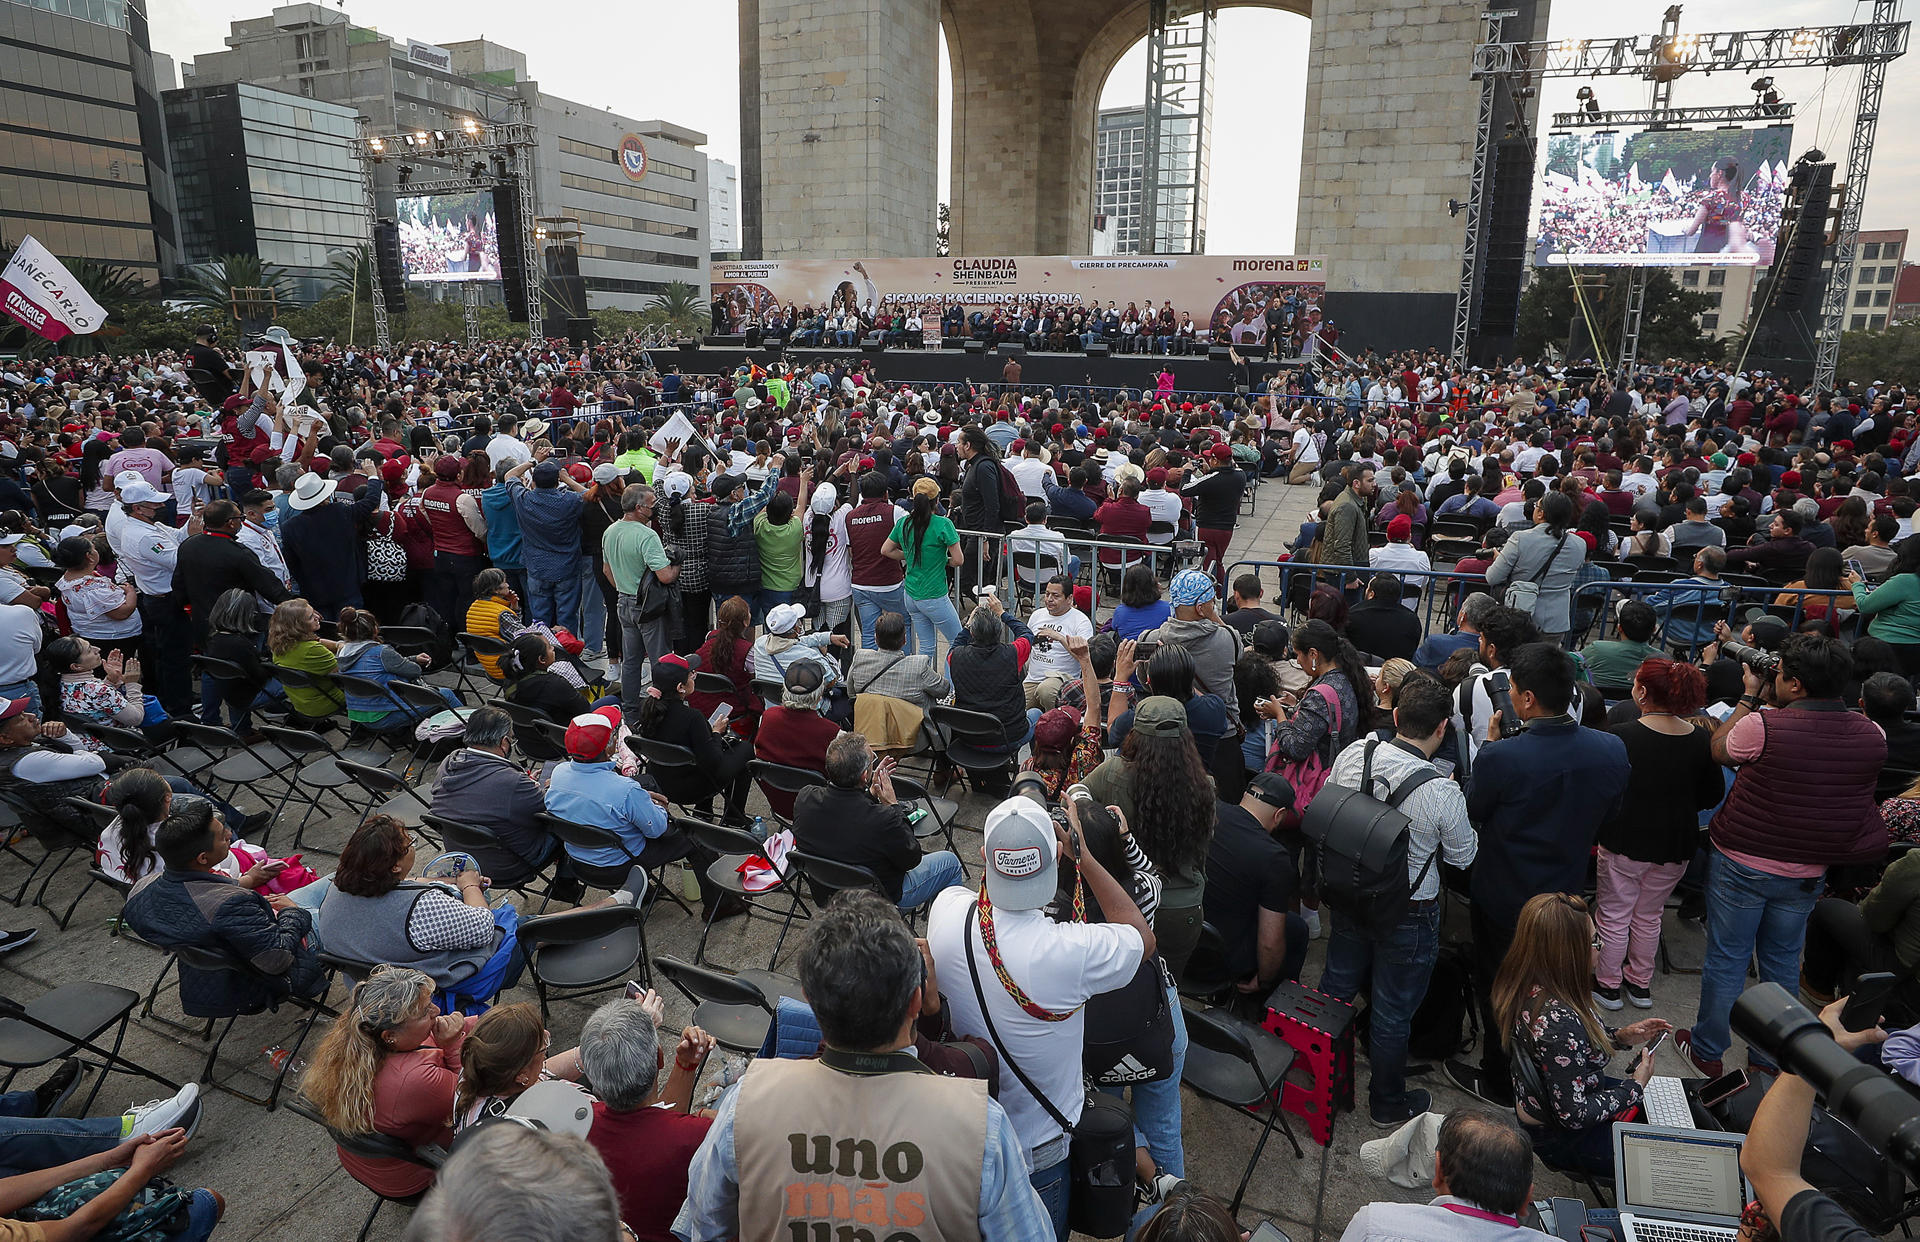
[1691, 1174]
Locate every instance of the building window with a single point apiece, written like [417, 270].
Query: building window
[1717, 277]
[1863, 298]
[1859, 322]
[1690, 278]
[1877, 322]
[1882, 297]
[1709, 322]
[574, 181]
[1870, 250]
[1886, 275]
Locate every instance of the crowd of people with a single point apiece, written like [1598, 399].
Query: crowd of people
[1679, 620]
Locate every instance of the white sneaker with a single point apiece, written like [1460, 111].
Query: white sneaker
[1312, 916]
[157, 1115]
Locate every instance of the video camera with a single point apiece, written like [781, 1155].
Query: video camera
[1879, 1107]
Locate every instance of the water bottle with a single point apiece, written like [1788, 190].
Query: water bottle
[277, 1058]
[759, 828]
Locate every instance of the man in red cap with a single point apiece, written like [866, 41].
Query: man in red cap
[1216, 506]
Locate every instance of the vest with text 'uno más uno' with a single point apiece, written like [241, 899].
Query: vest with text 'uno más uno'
[833, 1157]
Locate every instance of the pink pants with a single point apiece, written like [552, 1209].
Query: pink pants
[1627, 916]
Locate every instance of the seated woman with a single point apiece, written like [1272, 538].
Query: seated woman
[144, 799]
[1562, 1092]
[233, 635]
[531, 683]
[505, 1053]
[494, 613]
[1170, 674]
[1822, 573]
[293, 640]
[795, 733]
[1882, 933]
[727, 651]
[1141, 608]
[94, 690]
[390, 1064]
[985, 665]
[362, 654]
[445, 929]
[98, 608]
[720, 755]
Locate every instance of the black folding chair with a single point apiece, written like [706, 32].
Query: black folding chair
[374, 1147]
[580, 952]
[470, 839]
[198, 957]
[782, 778]
[735, 848]
[736, 1009]
[939, 817]
[318, 772]
[1243, 1065]
[59, 1023]
[474, 646]
[968, 732]
[387, 794]
[677, 772]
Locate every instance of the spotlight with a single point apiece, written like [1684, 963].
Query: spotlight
[1583, 94]
[471, 126]
[1455, 206]
[479, 170]
[439, 136]
[1803, 42]
[420, 137]
[1761, 85]
[377, 144]
[1815, 155]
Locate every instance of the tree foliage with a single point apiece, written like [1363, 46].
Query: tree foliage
[1892, 354]
[1669, 320]
[212, 285]
[680, 306]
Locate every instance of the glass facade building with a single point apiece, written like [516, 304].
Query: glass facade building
[262, 172]
[1120, 169]
[82, 159]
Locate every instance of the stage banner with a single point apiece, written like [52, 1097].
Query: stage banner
[1211, 288]
[39, 293]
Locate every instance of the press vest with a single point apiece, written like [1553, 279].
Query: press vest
[1808, 798]
[828, 1154]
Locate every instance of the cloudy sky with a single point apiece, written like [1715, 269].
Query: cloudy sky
[680, 62]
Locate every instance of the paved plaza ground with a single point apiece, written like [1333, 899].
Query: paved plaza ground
[279, 1174]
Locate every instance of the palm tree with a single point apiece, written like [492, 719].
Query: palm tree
[212, 284]
[348, 272]
[679, 307]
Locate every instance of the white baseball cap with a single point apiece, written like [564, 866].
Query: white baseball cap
[785, 618]
[1021, 855]
[127, 478]
[141, 492]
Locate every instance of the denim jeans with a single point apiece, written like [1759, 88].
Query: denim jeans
[633, 655]
[932, 619]
[203, 1213]
[932, 874]
[1156, 1105]
[554, 601]
[870, 604]
[765, 601]
[30, 689]
[229, 812]
[29, 1144]
[591, 610]
[1400, 966]
[1053, 1184]
[1750, 914]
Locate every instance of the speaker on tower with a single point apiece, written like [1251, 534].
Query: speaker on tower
[1506, 245]
[513, 267]
[387, 268]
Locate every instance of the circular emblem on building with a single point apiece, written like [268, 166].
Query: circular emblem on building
[633, 157]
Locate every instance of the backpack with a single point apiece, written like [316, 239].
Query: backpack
[1446, 1024]
[1013, 501]
[159, 1207]
[1362, 846]
[422, 616]
[1308, 776]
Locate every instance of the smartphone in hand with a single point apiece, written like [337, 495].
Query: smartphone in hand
[1868, 1000]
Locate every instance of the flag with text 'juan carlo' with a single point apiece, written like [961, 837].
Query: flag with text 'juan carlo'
[38, 292]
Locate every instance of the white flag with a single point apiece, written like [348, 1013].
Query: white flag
[38, 292]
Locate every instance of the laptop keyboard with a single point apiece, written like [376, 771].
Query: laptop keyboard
[1666, 1103]
[1645, 1230]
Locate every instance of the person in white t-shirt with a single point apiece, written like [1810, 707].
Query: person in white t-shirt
[1051, 666]
[1027, 463]
[190, 484]
[1306, 454]
[1165, 506]
[1035, 975]
[826, 558]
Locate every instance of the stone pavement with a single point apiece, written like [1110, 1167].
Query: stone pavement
[282, 1181]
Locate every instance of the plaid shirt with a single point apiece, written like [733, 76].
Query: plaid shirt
[915, 678]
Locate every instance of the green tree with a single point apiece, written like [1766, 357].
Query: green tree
[1892, 354]
[680, 307]
[349, 272]
[212, 284]
[1669, 320]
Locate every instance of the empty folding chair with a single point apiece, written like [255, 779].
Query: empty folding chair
[580, 952]
[735, 1009]
[735, 849]
[1243, 1065]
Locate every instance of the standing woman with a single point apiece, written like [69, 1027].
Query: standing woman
[683, 530]
[100, 610]
[1645, 849]
[1892, 609]
[600, 510]
[828, 559]
[929, 545]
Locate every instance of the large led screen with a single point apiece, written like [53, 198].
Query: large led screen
[1663, 198]
[449, 236]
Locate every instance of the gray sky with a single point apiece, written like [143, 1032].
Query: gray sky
[679, 62]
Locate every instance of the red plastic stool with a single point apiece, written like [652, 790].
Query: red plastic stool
[1320, 1031]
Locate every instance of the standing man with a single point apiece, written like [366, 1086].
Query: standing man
[631, 550]
[459, 534]
[1538, 800]
[150, 550]
[1400, 960]
[549, 536]
[1801, 802]
[876, 576]
[323, 543]
[980, 506]
[256, 536]
[1343, 539]
[1216, 507]
[214, 561]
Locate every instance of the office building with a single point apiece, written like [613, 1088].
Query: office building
[1906, 294]
[723, 208]
[638, 188]
[1731, 290]
[1119, 175]
[1876, 272]
[262, 172]
[83, 159]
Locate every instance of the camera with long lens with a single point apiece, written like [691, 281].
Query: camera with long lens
[1879, 1107]
[1500, 691]
[1759, 659]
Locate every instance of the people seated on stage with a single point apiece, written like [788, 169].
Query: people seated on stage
[855, 818]
[480, 786]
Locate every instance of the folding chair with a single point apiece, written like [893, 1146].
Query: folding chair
[714, 683]
[102, 816]
[580, 952]
[386, 792]
[782, 778]
[677, 772]
[200, 957]
[1207, 976]
[940, 812]
[296, 679]
[826, 876]
[736, 1009]
[471, 838]
[240, 764]
[736, 847]
[967, 732]
[427, 702]
[374, 1147]
[397, 740]
[57, 842]
[473, 646]
[238, 690]
[57, 1024]
[318, 771]
[1243, 1065]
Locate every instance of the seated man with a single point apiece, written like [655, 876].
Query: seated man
[1047, 547]
[1612, 662]
[1049, 664]
[1247, 611]
[481, 787]
[855, 818]
[1379, 626]
[644, 1126]
[191, 902]
[795, 734]
[885, 668]
[1483, 1169]
[1251, 886]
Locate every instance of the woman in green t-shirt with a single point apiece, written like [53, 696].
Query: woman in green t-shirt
[928, 544]
[779, 536]
[293, 640]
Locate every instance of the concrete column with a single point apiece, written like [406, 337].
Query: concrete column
[839, 158]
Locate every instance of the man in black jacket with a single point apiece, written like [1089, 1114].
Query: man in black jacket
[1380, 625]
[1216, 507]
[855, 818]
[980, 506]
[322, 539]
[213, 562]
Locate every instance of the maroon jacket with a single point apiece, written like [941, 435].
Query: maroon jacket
[1808, 798]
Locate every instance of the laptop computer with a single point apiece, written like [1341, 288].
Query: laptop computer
[1678, 1185]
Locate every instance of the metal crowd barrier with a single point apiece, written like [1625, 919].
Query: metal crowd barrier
[993, 563]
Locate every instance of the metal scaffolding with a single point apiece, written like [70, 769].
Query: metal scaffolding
[1866, 121]
[1466, 299]
[1175, 155]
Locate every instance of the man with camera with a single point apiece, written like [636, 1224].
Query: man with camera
[1538, 799]
[1487, 688]
[1802, 801]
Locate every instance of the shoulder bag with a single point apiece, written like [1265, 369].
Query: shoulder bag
[1524, 593]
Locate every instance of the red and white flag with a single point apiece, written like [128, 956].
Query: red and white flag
[41, 294]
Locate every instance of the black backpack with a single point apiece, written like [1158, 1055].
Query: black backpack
[425, 617]
[1361, 843]
[1446, 1023]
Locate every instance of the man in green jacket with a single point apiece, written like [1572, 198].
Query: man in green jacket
[1344, 541]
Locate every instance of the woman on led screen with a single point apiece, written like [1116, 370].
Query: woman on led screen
[1719, 221]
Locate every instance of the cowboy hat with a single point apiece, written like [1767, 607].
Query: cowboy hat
[310, 490]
